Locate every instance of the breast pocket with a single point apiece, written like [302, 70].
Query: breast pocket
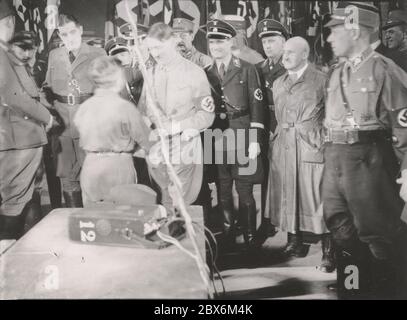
[236, 92]
[310, 153]
[179, 96]
[364, 96]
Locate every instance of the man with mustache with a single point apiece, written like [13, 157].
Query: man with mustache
[396, 37]
[184, 33]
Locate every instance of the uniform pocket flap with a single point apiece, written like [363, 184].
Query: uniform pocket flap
[312, 156]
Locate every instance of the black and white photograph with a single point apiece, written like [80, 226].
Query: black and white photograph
[222, 151]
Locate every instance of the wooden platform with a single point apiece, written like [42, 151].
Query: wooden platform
[46, 264]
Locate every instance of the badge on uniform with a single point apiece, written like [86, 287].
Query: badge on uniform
[258, 94]
[237, 63]
[402, 118]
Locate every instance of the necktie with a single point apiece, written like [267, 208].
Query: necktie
[222, 71]
[71, 57]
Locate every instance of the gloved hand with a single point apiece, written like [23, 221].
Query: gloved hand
[254, 150]
[403, 181]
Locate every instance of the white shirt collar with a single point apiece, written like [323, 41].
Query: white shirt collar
[375, 44]
[300, 72]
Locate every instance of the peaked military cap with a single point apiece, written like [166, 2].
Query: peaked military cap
[270, 27]
[368, 15]
[182, 25]
[395, 18]
[219, 29]
[26, 40]
[116, 45]
[238, 22]
[126, 30]
[6, 9]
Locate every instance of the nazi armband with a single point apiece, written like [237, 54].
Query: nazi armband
[399, 118]
[206, 103]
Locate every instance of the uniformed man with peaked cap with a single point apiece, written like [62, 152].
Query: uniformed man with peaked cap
[395, 30]
[184, 31]
[273, 36]
[366, 127]
[23, 122]
[240, 116]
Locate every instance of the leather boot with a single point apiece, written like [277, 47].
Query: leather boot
[10, 227]
[295, 246]
[228, 226]
[328, 254]
[73, 199]
[248, 216]
[32, 213]
[265, 231]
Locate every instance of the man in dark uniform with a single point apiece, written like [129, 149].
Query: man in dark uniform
[396, 37]
[273, 36]
[67, 77]
[184, 32]
[239, 111]
[23, 122]
[366, 104]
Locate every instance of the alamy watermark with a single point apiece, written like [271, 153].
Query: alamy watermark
[230, 146]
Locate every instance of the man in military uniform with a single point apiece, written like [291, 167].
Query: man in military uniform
[366, 103]
[182, 95]
[23, 122]
[239, 111]
[67, 77]
[396, 37]
[273, 36]
[240, 49]
[184, 33]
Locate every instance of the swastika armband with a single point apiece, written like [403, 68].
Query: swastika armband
[399, 118]
[258, 95]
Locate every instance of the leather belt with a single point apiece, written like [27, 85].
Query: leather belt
[233, 114]
[351, 136]
[287, 125]
[109, 152]
[71, 99]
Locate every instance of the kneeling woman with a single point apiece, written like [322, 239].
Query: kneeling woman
[110, 129]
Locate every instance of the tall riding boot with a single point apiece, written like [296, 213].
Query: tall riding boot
[73, 199]
[328, 254]
[295, 246]
[248, 216]
[32, 213]
[228, 225]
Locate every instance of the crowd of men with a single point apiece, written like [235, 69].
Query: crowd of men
[328, 148]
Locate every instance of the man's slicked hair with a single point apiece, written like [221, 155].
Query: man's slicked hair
[64, 19]
[160, 31]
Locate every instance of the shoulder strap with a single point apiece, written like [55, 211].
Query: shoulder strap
[345, 100]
